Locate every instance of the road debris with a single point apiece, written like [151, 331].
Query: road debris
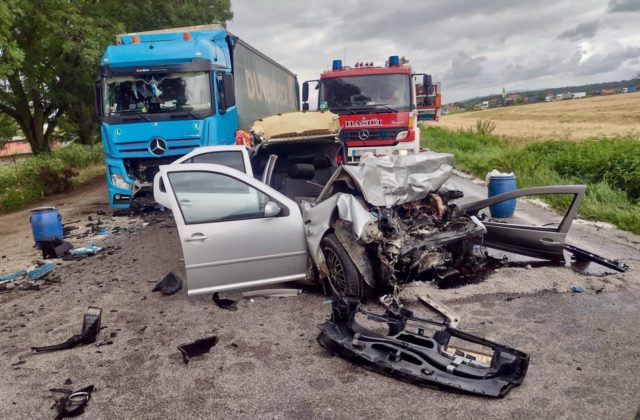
[197, 348]
[169, 285]
[54, 248]
[449, 358]
[576, 289]
[452, 319]
[73, 403]
[584, 255]
[228, 304]
[85, 250]
[272, 293]
[90, 330]
[101, 343]
[39, 271]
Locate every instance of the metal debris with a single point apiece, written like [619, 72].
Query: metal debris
[197, 348]
[90, 330]
[228, 304]
[73, 403]
[169, 285]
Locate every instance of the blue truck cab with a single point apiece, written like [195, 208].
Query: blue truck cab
[160, 94]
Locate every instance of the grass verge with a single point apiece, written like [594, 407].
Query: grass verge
[35, 177]
[610, 167]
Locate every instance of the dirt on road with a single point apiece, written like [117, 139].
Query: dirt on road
[267, 364]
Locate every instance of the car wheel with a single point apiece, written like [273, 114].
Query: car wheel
[344, 278]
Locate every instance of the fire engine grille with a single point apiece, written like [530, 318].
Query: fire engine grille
[374, 134]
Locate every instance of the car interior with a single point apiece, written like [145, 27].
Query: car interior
[302, 168]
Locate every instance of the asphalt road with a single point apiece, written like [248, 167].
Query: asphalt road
[584, 347]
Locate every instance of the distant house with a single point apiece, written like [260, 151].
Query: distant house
[628, 89]
[579, 95]
[510, 99]
[15, 146]
[563, 96]
[608, 92]
[19, 146]
[550, 97]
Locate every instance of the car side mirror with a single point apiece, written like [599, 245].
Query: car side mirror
[271, 209]
[305, 92]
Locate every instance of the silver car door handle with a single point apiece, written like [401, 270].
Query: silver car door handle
[547, 241]
[196, 237]
[185, 203]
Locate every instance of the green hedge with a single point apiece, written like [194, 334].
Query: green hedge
[610, 167]
[46, 174]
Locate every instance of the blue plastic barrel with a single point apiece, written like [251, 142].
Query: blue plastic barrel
[499, 185]
[46, 224]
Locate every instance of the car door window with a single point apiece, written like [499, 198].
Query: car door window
[232, 159]
[206, 197]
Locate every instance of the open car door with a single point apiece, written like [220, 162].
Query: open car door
[546, 241]
[235, 231]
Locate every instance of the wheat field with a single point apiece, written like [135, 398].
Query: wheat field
[574, 119]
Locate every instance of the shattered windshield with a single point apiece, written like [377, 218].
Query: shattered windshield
[157, 93]
[383, 91]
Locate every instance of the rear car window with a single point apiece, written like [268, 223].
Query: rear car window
[232, 159]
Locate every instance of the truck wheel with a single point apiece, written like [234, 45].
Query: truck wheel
[344, 278]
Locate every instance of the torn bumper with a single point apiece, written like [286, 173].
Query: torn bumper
[443, 359]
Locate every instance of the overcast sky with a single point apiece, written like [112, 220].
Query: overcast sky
[473, 47]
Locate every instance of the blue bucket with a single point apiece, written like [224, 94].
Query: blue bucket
[499, 185]
[46, 224]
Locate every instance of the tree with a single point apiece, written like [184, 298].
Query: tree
[50, 49]
[28, 89]
[8, 129]
[118, 16]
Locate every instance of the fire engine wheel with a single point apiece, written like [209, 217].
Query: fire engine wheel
[344, 278]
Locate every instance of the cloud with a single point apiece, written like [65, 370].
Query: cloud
[624, 6]
[464, 68]
[608, 59]
[473, 48]
[581, 31]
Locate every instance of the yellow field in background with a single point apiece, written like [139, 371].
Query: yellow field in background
[572, 119]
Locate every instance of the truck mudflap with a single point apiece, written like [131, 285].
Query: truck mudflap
[449, 358]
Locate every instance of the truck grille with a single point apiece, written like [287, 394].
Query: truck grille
[140, 148]
[374, 134]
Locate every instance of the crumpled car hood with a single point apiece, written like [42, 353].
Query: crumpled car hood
[391, 180]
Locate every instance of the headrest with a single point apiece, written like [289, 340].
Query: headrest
[302, 171]
[321, 162]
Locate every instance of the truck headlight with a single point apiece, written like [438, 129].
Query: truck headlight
[402, 135]
[118, 181]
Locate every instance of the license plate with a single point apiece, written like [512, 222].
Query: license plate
[360, 152]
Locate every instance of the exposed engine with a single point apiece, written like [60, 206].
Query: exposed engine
[427, 239]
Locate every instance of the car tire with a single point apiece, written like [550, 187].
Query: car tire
[344, 278]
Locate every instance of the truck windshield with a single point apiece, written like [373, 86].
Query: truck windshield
[384, 91]
[157, 93]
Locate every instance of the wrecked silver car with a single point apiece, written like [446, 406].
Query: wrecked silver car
[386, 221]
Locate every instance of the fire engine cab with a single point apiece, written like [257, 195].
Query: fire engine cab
[379, 106]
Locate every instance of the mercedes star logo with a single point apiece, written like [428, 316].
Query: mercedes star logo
[157, 146]
[363, 134]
